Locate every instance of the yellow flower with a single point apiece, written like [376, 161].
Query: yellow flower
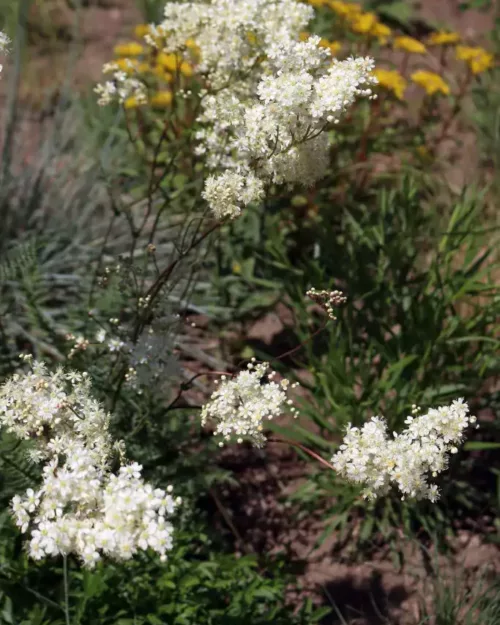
[431, 82]
[236, 267]
[141, 30]
[193, 48]
[381, 32]
[186, 69]
[344, 9]
[132, 103]
[252, 38]
[410, 45]
[169, 62]
[162, 74]
[129, 49]
[129, 66]
[478, 59]
[391, 80]
[423, 152]
[304, 35]
[363, 23]
[443, 38]
[317, 3]
[333, 46]
[162, 99]
[466, 53]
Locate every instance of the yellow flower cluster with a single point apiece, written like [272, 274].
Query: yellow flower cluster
[158, 100]
[333, 46]
[141, 30]
[358, 21]
[345, 9]
[443, 38]
[431, 82]
[368, 25]
[478, 59]
[392, 81]
[370, 33]
[409, 44]
[129, 49]
[361, 22]
[145, 61]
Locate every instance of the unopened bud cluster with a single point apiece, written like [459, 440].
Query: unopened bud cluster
[370, 457]
[327, 300]
[240, 405]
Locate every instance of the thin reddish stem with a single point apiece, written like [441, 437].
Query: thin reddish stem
[310, 452]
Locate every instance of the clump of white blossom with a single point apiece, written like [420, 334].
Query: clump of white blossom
[81, 506]
[371, 457]
[4, 44]
[240, 405]
[121, 87]
[267, 99]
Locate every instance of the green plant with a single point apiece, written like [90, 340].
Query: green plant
[452, 598]
[129, 263]
[418, 328]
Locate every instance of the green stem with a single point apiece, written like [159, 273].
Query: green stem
[66, 590]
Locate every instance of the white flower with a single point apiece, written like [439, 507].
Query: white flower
[81, 507]
[4, 43]
[267, 98]
[368, 456]
[226, 192]
[241, 404]
[120, 88]
[100, 335]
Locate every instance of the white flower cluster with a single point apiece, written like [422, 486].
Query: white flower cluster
[121, 87]
[267, 98]
[241, 404]
[368, 456]
[81, 507]
[269, 102]
[4, 43]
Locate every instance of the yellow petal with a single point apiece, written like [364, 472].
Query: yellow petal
[162, 99]
[129, 49]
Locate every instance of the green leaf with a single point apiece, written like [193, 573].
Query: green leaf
[479, 5]
[480, 446]
[299, 434]
[320, 613]
[474, 339]
[366, 529]
[264, 593]
[402, 12]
